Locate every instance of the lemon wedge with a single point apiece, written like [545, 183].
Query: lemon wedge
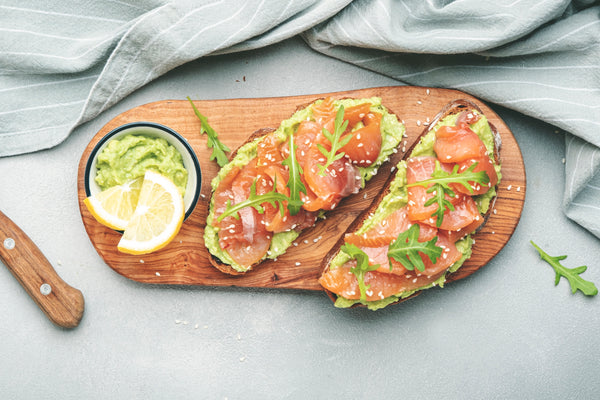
[157, 217]
[114, 206]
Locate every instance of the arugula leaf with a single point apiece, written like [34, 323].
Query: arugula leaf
[337, 143]
[255, 201]
[439, 197]
[405, 249]
[219, 149]
[572, 274]
[441, 180]
[294, 183]
[362, 266]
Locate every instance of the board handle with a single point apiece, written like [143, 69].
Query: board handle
[61, 303]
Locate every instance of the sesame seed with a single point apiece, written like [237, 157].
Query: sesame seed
[509, 187]
[418, 122]
[157, 273]
[297, 263]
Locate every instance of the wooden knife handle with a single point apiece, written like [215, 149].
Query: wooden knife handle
[62, 303]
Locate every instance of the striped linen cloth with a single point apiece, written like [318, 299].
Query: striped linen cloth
[63, 63]
[538, 57]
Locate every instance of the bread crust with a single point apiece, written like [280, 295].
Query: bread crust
[454, 107]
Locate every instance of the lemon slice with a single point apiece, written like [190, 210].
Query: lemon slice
[157, 217]
[114, 206]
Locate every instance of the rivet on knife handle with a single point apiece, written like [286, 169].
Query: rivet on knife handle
[62, 303]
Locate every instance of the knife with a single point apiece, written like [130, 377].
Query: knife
[61, 303]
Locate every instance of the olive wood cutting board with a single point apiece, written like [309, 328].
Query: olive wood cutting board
[185, 260]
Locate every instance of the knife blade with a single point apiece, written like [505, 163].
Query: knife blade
[61, 303]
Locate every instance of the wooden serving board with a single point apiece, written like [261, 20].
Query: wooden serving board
[185, 260]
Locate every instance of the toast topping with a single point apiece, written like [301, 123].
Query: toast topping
[420, 229]
[295, 174]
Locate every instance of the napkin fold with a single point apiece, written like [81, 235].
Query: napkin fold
[63, 63]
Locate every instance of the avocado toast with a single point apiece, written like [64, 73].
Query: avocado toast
[267, 194]
[420, 227]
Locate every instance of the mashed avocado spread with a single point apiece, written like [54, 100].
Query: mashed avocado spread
[132, 155]
[398, 197]
[392, 132]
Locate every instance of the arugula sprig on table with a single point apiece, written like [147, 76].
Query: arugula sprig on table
[219, 149]
[572, 274]
[440, 186]
[361, 268]
[294, 183]
[256, 201]
[336, 140]
[405, 249]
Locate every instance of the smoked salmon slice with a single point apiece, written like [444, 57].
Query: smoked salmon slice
[465, 210]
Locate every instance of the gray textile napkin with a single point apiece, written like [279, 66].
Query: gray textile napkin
[63, 63]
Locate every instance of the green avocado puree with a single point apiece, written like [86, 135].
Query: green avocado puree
[130, 156]
[397, 198]
[392, 132]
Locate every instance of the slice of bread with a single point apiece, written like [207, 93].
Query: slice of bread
[452, 109]
[392, 136]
